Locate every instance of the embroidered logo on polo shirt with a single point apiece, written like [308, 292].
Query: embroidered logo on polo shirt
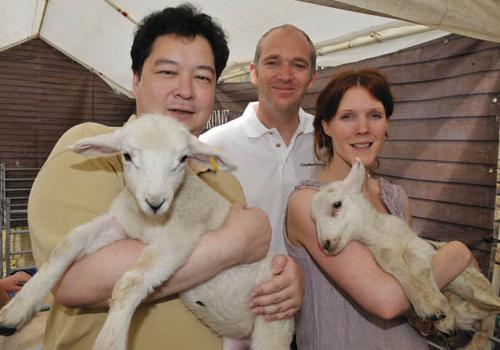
[309, 164]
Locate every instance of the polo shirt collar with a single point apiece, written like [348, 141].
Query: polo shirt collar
[254, 128]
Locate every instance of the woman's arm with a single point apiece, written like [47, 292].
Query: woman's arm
[355, 269]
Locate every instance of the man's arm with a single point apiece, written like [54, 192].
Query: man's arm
[244, 238]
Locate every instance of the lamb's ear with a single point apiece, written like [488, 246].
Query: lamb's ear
[356, 177]
[209, 156]
[101, 144]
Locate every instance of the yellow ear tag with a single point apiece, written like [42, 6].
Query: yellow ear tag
[213, 164]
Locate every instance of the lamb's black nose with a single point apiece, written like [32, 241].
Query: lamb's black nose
[155, 205]
[7, 331]
[327, 245]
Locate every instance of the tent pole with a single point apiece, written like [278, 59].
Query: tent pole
[121, 11]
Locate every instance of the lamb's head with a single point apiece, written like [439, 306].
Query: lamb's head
[336, 211]
[154, 151]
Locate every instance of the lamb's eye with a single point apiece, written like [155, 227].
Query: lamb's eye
[127, 156]
[337, 205]
[183, 159]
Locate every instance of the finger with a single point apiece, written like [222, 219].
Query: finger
[274, 298]
[17, 282]
[25, 275]
[268, 300]
[288, 313]
[275, 285]
[273, 309]
[15, 288]
[279, 312]
[21, 276]
[278, 264]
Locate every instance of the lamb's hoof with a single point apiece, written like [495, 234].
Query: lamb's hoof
[446, 326]
[446, 334]
[7, 331]
[438, 317]
[453, 333]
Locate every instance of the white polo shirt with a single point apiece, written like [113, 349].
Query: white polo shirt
[268, 170]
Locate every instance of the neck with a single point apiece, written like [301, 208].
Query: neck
[336, 170]
[339, 168]
[286, 122]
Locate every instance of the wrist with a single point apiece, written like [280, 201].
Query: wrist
[229, 254]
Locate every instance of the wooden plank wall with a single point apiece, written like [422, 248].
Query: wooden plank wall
[42, 94]
[443, 136]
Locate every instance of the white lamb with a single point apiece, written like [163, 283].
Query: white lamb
[167, 207]
[342, 214]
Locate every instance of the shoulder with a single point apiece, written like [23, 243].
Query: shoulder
[78, 132]
[75, 168]
[392, 190]
[299, 222]
[302, 194]
[301, 197]
[88, 129]
[308, 117]
[306, 125]
[395, 199]
[222, 132]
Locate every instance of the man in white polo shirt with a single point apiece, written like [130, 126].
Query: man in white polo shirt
[272, 142]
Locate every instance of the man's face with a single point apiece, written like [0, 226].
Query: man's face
[283, 72]
[178, 79]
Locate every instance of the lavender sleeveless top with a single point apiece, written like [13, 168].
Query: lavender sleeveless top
[329, 319]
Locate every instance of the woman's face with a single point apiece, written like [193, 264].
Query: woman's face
[358, 128]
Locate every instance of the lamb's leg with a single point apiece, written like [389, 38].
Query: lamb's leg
[472, 295]
[481, 337]
[418, 257]
[468, 315]
[273, 335]
[158, 261]
[473, 286]
[81, 240]
[414, 273]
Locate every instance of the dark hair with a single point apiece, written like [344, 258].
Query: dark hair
[184, 21]
[258, 48]
[329, 99]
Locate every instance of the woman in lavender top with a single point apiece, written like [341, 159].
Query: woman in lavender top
[349, 301]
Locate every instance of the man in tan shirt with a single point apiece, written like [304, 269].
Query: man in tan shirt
[177, 56]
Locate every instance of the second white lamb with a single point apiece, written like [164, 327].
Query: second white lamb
[342, 214]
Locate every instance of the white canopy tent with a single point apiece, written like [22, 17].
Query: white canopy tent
[98, 33]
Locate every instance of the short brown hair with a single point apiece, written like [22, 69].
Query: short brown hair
[329, 99]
